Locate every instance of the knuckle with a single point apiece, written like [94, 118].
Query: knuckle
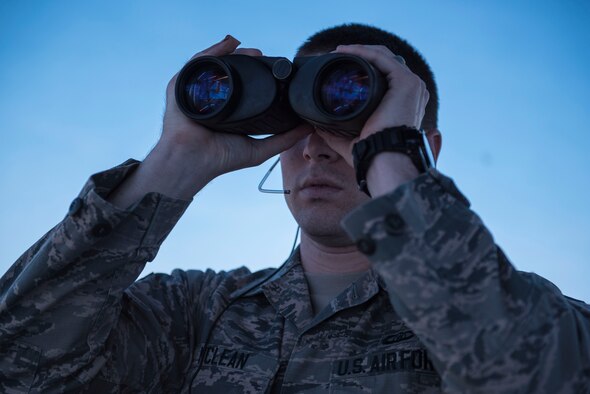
[417, 81]
[383, 49]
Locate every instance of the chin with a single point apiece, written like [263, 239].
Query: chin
[328, 238]
[323, 226]
[321, 218]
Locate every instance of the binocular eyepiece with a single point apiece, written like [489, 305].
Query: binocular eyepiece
[270, 95]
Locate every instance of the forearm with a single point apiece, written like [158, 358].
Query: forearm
[61, 298]
[487, 326]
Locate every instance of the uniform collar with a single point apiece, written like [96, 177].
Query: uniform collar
[287, 291]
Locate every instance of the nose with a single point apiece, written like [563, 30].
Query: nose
[316, 149]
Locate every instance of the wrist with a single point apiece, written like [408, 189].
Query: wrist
[405, 141]
[389, 170]
[175, 172]
[178, 170]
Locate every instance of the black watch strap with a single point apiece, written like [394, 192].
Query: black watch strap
[402, 139]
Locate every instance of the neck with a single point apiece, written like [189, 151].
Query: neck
[317, 257]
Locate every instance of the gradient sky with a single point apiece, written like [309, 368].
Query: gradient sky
[82, 89]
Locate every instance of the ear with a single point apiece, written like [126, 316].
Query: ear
[434, 137]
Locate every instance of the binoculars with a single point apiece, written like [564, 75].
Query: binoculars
[270, 95]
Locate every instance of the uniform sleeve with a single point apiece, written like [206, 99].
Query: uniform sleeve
[69, 314]
[488, 327]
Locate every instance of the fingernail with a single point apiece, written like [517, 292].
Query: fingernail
[229, 37]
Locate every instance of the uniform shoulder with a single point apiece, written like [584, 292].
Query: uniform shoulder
[206, 281]
[550, 287]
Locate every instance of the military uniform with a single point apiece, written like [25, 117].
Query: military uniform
[442, 310]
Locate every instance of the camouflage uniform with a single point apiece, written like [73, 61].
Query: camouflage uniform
[441, 310]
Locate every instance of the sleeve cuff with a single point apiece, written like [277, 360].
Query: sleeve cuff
[140, 228]
[410, 209]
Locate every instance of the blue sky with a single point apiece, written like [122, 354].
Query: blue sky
[83, 89]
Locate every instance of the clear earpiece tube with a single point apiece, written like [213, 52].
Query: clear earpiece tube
[265, 177]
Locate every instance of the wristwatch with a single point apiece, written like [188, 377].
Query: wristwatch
[402, 139]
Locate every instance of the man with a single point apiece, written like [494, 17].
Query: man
[403, 291]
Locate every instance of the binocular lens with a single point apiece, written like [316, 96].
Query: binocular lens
[208, 89]
[344, 89]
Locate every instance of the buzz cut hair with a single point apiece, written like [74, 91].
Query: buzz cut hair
[328, 39]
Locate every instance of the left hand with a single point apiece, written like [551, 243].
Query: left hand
[404, 102]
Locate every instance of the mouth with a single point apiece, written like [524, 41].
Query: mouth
[318, 188]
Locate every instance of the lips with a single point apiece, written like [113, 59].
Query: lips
[319, 182]
[319, 188]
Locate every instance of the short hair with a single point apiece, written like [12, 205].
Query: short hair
[354, 33]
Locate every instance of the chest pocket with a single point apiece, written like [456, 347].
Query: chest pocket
[229, 370]
[401, 382]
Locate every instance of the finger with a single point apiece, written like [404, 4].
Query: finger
[223, 47]
[378, 55]
[400, 59]
[247, 51]
[422, 105]
[377, 48]
[266, 148]
[339, 144]
[334, 139]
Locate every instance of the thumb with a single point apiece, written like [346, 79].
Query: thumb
[341, 145]
[268, 147]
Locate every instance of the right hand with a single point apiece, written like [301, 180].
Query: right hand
[216, 152]
[188, 156]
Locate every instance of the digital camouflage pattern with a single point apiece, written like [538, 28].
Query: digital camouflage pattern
[442, 310]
